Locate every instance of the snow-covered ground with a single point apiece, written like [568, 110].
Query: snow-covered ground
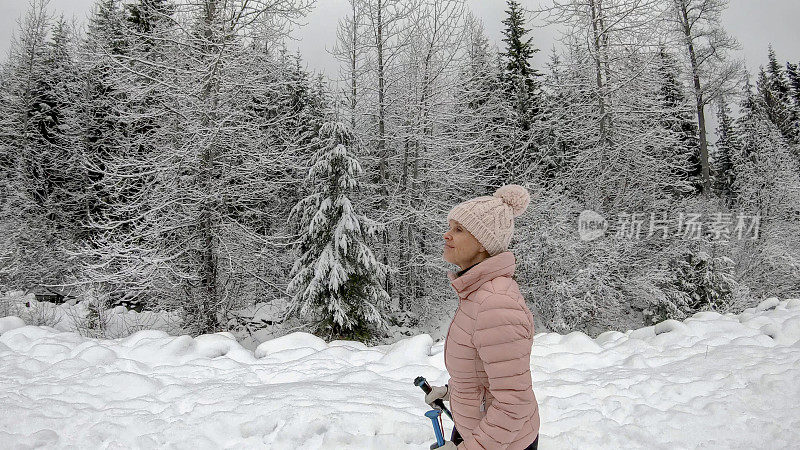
[712, 381]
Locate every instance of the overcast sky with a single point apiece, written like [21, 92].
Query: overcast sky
[754, 23]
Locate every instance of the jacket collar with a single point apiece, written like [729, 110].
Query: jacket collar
[499, 265]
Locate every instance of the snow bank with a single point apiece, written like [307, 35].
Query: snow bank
[711, 381]
[10, 322]
[72, 315]
[292, 341]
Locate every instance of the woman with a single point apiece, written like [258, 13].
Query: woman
[488, 346]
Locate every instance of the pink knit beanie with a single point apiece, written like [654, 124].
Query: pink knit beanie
[491, 218]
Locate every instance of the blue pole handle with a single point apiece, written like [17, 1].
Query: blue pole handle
[434, 416]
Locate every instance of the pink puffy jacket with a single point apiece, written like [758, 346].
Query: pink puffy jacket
[487, 353]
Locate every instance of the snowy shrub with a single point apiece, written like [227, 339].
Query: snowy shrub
[28, 309]
[770, 265]
[697, 282]
[406, 322]
[615, 282]
[91, 316]
[6, 305]
[258, 317]
[40, 314]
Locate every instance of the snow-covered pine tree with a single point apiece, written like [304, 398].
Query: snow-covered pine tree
[40, 177]
[773, 85]
[519, 149]
[562, 137]
[793, 76]
[700, 281]
[767, 183]
[101, 128]
[520, 79]
[678, 120]
[794, 79]
[722, 166]
[24, 113]
[778, 81]
[146, 15]
[336, 278]
[766, 175]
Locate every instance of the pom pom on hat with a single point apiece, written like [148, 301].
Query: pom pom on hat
[515, 196]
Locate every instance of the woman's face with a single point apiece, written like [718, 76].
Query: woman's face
[460, 246]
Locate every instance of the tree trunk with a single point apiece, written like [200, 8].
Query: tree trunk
[383, 166]
[607, 67]
[597, 40]
[405, 230]
[353, 71]
[698, 95]
[208, 303]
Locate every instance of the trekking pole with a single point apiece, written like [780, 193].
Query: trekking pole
[423, 384]
[434, 415]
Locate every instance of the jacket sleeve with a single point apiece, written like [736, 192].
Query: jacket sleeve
[502, 339]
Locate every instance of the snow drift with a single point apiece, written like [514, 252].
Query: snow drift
[711, 381]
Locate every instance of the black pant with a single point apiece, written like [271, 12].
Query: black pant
[457, 439]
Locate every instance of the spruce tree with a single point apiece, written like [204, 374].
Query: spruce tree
[102, 102]
[146, 15]
[722, 168]
[766, 174]
[794, 81]
[40, 179]
[519, 77]
[767, 183]
[66, 176]
[336, 276]
[773, 88]
[794, 92]
[777, 77]
[678, 120]
[560, 142]
[519, 145]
